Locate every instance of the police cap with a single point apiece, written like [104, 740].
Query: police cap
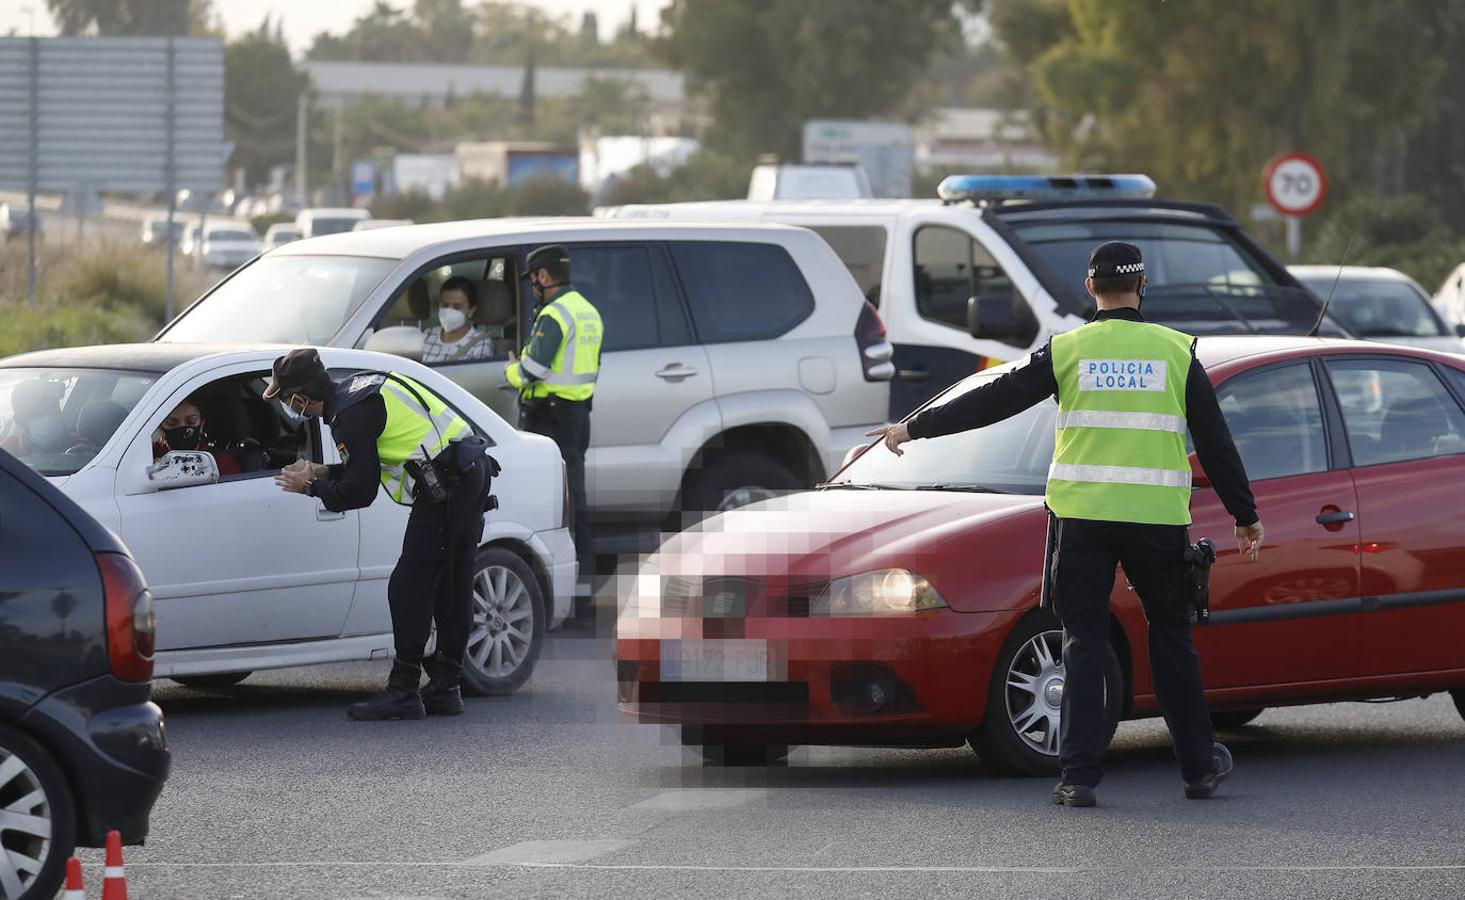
[1115, 258]
[300, 372]
[547, 256]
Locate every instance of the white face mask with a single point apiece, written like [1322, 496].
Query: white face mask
[451, 319]
[295, 415]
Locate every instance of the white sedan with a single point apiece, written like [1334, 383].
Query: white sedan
[246, 576]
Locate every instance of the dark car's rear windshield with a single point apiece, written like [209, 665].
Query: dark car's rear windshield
[1201, 280]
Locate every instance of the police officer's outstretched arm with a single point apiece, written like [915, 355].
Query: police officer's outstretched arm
[1002, 398]
[1217, 453]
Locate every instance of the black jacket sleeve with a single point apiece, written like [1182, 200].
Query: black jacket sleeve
[1002, 398]
[1214, 447]
[353, 484]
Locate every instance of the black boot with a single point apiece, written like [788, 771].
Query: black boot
[399, 701]
[443, 695]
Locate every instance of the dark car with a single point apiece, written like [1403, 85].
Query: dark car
[82, 750]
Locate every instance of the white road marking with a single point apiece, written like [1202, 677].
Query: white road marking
[547, 853]
[696, 799]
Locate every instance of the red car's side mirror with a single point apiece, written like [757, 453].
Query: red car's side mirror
[1197, 474]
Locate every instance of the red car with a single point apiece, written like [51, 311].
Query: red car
[897, 604]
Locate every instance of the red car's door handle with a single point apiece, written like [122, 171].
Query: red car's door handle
[1335, 518]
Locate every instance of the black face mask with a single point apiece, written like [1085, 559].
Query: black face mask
[184, 437]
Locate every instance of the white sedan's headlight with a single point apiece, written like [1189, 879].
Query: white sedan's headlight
[887, 592]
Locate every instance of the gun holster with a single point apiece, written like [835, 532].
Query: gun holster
[1199, 557]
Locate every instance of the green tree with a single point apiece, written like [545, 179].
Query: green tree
[768, 65]
[1407, 233]
[131, 17]
[261, 91]
[1201, 94]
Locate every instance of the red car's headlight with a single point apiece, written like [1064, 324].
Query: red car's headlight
[887, 592]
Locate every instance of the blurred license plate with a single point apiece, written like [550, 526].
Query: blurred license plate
[725, 660]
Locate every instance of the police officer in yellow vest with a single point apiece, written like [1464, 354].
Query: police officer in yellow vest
[1119, 486]
[388, 428]
[556, 375]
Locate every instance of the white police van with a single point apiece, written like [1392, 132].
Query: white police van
[995, 266]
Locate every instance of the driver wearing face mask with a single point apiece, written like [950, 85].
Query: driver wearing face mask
[184, 430]
[39, 425]
[458, 339]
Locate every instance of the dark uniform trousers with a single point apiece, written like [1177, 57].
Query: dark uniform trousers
[424, 586]
[1082, 580]
[567, 423]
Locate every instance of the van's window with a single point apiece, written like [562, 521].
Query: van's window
[616, 279]
[951, 268]
[1200, 280]
[742, 292]
[282, 300]
[862, 250]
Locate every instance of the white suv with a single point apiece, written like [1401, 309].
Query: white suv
[739, 360]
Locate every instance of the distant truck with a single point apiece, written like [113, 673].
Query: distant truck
[516, 162]
[809, 181]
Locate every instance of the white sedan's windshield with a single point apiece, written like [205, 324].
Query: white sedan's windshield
[55, 420]
[1011, 456]
[1379, 307]
[282, 299]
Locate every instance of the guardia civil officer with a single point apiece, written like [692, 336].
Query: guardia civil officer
[387, 428]
[556, 375]
[1119, 486]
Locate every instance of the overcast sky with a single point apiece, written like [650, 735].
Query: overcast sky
[303, 20]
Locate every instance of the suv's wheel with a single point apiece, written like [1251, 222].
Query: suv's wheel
[38, 825]
[1019, 733]
[1234, 718]
[731, 480]
[212, 682]
[508, 624]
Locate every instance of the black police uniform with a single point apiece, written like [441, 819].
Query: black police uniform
[433, 578]
[1083, 569]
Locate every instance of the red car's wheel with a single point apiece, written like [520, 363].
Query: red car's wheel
[1019, 733]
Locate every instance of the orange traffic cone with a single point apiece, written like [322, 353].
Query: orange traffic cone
[114, 876]
[74, 890]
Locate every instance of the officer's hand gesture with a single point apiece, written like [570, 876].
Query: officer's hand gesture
[1249, 539]
[894, 436]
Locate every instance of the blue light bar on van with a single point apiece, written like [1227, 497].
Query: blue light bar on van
[975, 188]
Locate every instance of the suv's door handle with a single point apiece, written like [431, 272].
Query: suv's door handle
[676, 372]
[1334, 518]
[326, 515]
[919, 374]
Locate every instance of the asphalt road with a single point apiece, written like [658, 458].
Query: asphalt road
[275, 794]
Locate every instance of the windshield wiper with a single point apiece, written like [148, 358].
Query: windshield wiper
[969, 488]
[858, 486]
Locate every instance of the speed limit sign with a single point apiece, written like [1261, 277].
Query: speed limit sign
[1295, 184]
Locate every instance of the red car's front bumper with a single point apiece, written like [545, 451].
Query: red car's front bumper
[831, 680]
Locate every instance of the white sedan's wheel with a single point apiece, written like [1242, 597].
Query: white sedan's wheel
[37, 819]
[508, 624]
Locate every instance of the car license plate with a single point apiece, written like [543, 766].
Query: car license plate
[721, 660]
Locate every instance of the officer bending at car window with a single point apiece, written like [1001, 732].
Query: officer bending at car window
[1119, 487]
[393, 432]
[556, 376]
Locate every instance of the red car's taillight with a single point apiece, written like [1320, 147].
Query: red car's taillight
[131, 626]
[875, 350]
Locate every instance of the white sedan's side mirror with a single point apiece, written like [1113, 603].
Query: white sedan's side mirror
[398, 340]
[182, 468]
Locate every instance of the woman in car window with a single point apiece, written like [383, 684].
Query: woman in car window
[458, 338]
[183, 430]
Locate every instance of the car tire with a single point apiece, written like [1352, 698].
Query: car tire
[998, 740]
[39, 773]
[1234, 718]
[212, 682]
[506, 595]
[731, 480]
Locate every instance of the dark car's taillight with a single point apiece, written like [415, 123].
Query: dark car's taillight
[875, 350]
[131, 626]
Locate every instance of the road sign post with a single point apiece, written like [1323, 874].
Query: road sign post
[1296, 186]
